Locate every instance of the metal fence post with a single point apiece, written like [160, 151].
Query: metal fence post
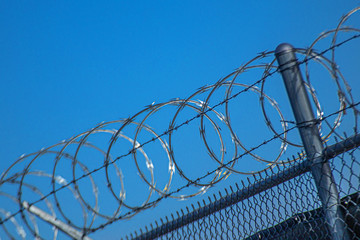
[311, 139]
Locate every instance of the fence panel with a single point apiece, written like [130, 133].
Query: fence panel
[289, 210]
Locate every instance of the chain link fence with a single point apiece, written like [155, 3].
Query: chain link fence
[279, 205]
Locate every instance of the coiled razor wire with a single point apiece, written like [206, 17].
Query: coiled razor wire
[68, 151]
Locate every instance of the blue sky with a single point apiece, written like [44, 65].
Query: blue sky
[66, 66]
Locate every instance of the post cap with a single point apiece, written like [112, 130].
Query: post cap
[284, 47]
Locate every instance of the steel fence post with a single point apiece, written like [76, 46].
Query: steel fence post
[310, 136]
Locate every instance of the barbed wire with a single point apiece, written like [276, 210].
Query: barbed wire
[203, 110]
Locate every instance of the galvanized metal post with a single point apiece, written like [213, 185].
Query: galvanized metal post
[311, 139]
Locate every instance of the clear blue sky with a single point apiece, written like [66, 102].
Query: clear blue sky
[66, 66]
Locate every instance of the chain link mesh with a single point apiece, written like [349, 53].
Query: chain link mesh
[289, 210]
